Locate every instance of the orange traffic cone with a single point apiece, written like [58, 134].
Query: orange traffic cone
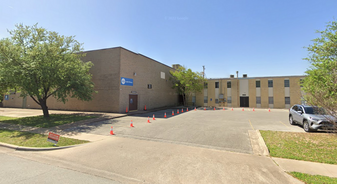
[145, 108]
[243, 109]
[204, 108]
[126, 110]
[178, 111]
[214, 108]
[165, 115]
[111, 131]
[269, 110]
[172, 113]
[232, 108]
[182, 110]
[253, 109]
[187, 109]
[195, 108]
[148, 119]
[153, 117]
[223, 108]
[131, 125]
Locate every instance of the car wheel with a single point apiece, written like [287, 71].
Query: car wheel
[306, 126]
[291, 121]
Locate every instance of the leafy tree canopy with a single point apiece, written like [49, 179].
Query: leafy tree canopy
[41, 63]
[187, 82]
[320, 85]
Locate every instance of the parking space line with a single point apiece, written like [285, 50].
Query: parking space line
[287, 125]
[251, 124]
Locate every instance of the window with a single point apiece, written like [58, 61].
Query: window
[258, 100]
[286, 83]
[229, 99]
[216, 101]
[295, 108]
[229, 84]
[162, 75]
[258, 84]
[271, 100]
[149, 86]
[270, 83]
[205, 85]
[301, 84]
[205, 99]
[216, 84]
[287, 100]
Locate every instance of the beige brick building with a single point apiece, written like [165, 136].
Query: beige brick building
[255, 92]
[122, 78]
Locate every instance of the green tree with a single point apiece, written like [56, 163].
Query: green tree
[187, 82]
[320, 84]
[41, 64]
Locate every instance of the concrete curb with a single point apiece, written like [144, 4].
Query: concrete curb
[21, 148]
[258, 145]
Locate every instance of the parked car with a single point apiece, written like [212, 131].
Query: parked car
[311, 118]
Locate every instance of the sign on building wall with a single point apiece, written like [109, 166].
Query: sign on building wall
[126, 81]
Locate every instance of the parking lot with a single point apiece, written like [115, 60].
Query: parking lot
[216, 129]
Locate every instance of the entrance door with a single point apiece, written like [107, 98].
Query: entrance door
[244, 101]
[133, 101]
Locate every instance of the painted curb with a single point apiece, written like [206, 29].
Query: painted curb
[21, 148]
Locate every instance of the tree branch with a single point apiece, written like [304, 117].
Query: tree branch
[35, 99]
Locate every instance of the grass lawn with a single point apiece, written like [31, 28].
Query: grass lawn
[315, 147]
[27, 139]
[313, 179]
[53, 120]
[2, 118]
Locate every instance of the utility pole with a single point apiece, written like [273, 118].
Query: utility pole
[203, 71]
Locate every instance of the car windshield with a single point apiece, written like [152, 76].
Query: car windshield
[314, 110]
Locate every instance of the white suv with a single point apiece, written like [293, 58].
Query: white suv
[311, 118]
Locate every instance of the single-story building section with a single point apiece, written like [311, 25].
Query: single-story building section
[122, 78]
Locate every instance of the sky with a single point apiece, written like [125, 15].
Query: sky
[258, 38]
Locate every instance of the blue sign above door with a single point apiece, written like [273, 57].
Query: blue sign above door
[126, 81]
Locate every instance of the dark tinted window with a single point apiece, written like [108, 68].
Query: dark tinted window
[229, 84]
[286, 83]
[270, 83]
[258, 84]
[216, 84]
[295, 108]
[314, 110]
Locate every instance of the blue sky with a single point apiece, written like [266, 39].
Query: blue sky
[258, 38]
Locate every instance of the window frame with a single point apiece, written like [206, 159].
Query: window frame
[216, 85]
[286, 83]
[258, 97]
[256, 82]
[270, 83]
[229, 84]
[269, 101]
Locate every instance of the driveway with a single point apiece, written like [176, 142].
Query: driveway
[219, 129]
[192, 147]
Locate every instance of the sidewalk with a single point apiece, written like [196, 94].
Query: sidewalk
[312, 168]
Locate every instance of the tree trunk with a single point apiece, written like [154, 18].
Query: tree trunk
[43, 104]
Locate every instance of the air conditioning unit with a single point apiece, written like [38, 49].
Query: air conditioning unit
[244, 75]
[231, 76]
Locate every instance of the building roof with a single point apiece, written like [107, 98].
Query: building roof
[286, 76]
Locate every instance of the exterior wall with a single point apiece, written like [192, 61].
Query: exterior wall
[252, 93]
[295, 90]
[144, 71]
[211, 92]
[105, 75]
[278, 89]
